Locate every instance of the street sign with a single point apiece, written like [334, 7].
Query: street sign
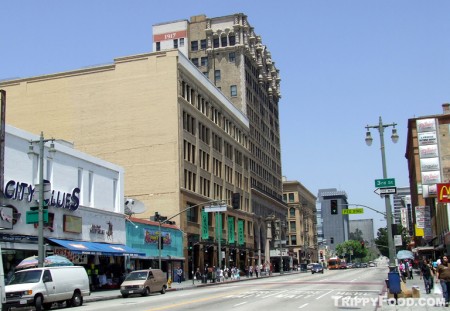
[32, 217]
[384, 191]
[398, 240]
[383, 183]
[215, 208]
[351, 211]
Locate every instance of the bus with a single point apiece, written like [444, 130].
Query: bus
[334, 263]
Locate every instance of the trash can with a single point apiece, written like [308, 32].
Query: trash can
[204, 280]
[394, 283]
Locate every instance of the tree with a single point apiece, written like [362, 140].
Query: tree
[344, 249]
[382, 243]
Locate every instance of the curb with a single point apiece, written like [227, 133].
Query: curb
[103, 298]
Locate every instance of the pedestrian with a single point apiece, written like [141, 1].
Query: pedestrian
[410, 270]
[198, 275]
[250, 271]
[443, 276]
[426, 272]
[256, 270]
[179, 274]
[402, 269]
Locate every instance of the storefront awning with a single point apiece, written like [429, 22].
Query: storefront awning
[93, 248]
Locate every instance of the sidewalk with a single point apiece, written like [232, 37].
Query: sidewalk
[425, 302]
[115, 293]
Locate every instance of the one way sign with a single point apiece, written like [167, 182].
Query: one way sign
[384, 191]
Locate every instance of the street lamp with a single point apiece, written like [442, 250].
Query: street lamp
[380, 127]
[41, 143]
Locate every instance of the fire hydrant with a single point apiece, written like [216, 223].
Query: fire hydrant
[169, 282]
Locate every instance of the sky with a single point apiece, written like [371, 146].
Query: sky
[343, 65]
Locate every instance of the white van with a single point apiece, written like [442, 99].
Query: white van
[41, 287]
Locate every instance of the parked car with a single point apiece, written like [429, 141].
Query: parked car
[144, 282]
[357, 265]
[310, 265]
[372, 264]
[316, 268]
[41, 287]
[343, 265]
[364, 265]
[349, 265]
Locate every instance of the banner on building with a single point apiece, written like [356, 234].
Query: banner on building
[231, 238]
[241, 232]
[205, 234]
[151, 237]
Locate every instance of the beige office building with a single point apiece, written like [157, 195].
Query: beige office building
[182, 140]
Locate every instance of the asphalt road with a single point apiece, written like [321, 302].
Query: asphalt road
[334, 290]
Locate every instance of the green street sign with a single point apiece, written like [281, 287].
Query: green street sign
[350, 211]
[33, 217]
[387, 182]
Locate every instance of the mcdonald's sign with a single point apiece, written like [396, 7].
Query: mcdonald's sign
[443, 193]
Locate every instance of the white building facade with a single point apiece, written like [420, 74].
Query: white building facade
[86, 221]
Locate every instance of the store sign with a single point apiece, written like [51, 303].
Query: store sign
[20, 191]
[427, 138]
[429, 164]
[443, 193]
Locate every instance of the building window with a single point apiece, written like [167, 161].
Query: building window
[293, 240]
[292, 226]
[181, 42]
[216, 42]
[292, 212]
[233, 90]
[204, 61]
[195, 61]
[232, 57]
[203, 44]
[194, 45]
[224, 41]
[175, 44]
[331, 240]
[91, 189]
[158, 46]
[192, 213]
[217, 75]
[291, 197]
[232, 40]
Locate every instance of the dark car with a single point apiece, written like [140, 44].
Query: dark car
[364, 265]
[317, 268]
[357, 265]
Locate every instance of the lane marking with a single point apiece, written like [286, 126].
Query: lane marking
[302, 306]
[242, 303]
[325, 294]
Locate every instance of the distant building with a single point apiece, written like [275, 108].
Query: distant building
[335, 225]
[301, 237]
[365, 226]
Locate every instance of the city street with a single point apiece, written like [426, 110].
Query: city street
[287, 292]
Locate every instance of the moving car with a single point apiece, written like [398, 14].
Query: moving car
[310, 265]
[144, 282]
[41, 287]
[343, 265]
[316, 268]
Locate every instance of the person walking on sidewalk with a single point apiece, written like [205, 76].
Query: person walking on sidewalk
[426, 272]
[179, 274]
[443, 276]
[410, 270]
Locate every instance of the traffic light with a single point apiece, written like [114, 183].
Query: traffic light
[236, 200]
[334, 207]
[156, 217]
[190, 246]
[321, 255]
[362, 244]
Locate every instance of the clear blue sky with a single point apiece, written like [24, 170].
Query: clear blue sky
[343, 64]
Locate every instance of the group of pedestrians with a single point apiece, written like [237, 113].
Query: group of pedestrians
[440, 271]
